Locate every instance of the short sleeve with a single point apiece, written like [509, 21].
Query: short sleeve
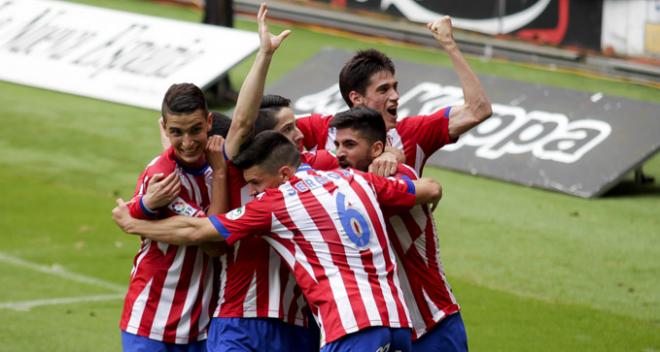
[253, 218]
[393, 192]
[324, 161]
[314, 129]
[429, 132]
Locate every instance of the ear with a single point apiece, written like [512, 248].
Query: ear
[377, 149]
[355, 98]
[209, 121]
[286, 172]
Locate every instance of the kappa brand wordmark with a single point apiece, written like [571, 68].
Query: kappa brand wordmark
[511, 130]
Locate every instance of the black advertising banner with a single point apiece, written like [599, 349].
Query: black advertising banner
[558, 139]
[557, 22]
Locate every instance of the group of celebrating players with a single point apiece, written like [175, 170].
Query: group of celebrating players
[331, 242]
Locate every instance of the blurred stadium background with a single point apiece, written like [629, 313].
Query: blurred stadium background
[532, 269]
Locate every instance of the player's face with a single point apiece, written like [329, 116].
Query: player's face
[187, 134]
[286, 125]
[258, 179]
[382, 95]
[353, 150]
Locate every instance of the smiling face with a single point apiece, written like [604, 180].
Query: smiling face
[188, 135]
[286, 125]
[382, 95]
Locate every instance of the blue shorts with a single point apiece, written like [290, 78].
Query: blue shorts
[377, 339]
[448, 335]
[260, 334]
[136, 343]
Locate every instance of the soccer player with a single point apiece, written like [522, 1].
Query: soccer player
[172, 291]
[259, 305]
[437, 324]
[367, 79]
[328, 228]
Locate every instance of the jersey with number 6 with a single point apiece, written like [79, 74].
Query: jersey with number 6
[329, 229]
[254, 281]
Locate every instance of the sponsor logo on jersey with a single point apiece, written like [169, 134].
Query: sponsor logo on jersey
[181, 207]
[236, 213]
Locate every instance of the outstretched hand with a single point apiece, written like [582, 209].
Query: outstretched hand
[269, 41]
[442, 31]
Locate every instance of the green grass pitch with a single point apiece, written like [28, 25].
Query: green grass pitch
[533, 270]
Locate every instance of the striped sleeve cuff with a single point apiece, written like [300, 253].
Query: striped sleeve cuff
[410, 184]
[222, 230]
[148, 212]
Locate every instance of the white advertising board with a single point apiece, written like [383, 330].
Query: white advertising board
[112, 55]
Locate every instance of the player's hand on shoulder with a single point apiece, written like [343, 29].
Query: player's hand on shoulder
[384, 165]
[214, 155]
[269, 41]
[442, 31]
[161, 190]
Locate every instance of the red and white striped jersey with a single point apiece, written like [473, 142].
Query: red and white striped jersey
[418, 136]
[415, 240]
[173, 289]
[254, 281]
[329, 229]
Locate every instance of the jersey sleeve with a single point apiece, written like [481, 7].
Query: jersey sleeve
[324, 161]
[136, 206]
[393, 192]
[314, 129]
[253, 218]
[429, 132]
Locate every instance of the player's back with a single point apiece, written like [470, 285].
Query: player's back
[172, 290]
[348, 271]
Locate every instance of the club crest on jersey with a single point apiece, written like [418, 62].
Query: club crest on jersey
[236, 213]
[180, 207]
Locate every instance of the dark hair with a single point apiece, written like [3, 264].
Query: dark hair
[274, 101]
[183, 98]
[367, 122]
[356, 73]
[270, 106]
[269, 150]
[220, 125]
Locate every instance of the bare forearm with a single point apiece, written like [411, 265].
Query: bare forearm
[219, 199]
[474, 95]
[427, 191]
[247, 106]
[178, 230]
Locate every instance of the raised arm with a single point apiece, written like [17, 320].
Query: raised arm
[178, 230]
[219, 194]
[476, 107]
[252, 90]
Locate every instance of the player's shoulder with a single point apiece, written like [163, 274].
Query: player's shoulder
[314, 118]
[403, 170]
[163, 163]
[440, 113]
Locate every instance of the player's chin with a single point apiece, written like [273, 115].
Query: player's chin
[190, 157]
[343, 164]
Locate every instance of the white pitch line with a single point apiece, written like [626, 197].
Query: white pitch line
[27, 305]
[58, 270]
